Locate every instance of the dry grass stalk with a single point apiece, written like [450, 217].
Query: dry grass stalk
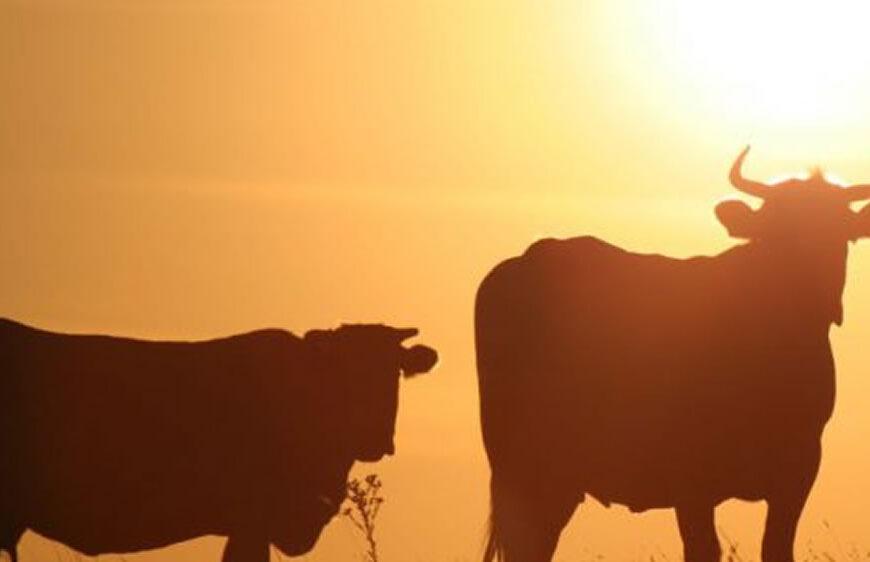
[365, 503]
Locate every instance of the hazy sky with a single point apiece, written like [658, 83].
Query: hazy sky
[187, 169]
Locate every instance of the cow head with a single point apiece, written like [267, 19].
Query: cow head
[802, 229]
[364, 363]
[805, 214]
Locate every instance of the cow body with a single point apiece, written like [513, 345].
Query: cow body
[656, 382]
[119, 445]
[626, 373]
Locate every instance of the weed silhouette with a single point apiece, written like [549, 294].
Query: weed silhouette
[364, 497]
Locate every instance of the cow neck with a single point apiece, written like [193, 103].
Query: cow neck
[807, 285]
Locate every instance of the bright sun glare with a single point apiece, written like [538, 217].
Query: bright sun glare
[769, 59]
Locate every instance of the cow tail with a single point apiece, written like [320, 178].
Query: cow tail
[494, 548]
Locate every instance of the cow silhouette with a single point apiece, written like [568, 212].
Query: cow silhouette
[119, 445]
[655, 382]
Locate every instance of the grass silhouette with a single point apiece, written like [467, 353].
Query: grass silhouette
[364, 499]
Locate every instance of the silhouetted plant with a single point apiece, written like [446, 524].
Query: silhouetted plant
[365, 503]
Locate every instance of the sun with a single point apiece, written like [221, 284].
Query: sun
[752, 61]
[772, 60]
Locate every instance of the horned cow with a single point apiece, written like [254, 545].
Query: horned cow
[119, 445]
[662, 383]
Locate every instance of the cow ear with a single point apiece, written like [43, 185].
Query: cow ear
[737, 218]
[861, 224]
[401, 334]
[418, 359]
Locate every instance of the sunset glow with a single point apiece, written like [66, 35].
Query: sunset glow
[189, 169]
[769, 60]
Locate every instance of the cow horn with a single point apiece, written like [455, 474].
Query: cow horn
[749, 187]
[857, 192]
[404, 333]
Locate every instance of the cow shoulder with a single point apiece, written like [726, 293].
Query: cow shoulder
[274, 336]
[584, 245]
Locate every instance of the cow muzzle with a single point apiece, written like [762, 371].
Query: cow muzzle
[376, 455]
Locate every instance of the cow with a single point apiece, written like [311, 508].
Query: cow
[655, 382]
[119, 445]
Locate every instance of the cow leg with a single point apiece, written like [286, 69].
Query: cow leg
[527, 518]
[784, 506]
[698, 531]
[9, 537]
[246, 548]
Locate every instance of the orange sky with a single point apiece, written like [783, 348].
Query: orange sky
[187, 169]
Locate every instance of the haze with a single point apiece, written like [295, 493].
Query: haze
[192, 169]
